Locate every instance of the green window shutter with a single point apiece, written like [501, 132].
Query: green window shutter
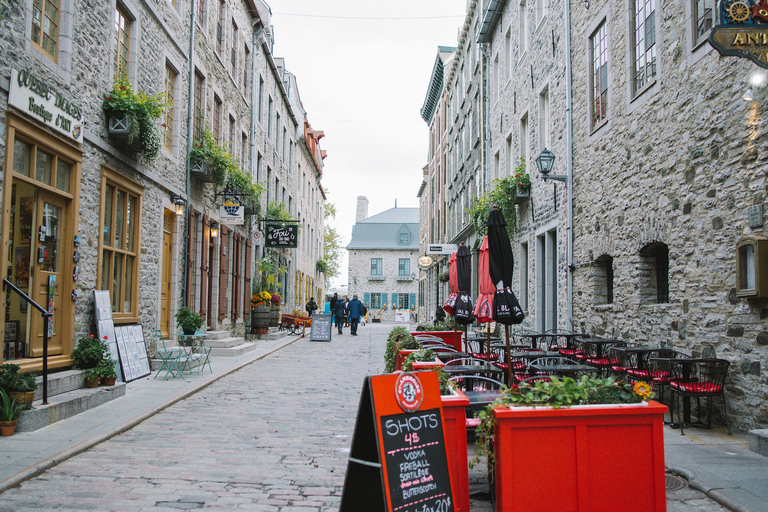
[412, 300]
[366, 298]
[384, 299]
[394, 301]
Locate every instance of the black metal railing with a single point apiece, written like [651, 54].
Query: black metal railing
[46, 318]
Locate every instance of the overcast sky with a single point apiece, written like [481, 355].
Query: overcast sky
[363, 69]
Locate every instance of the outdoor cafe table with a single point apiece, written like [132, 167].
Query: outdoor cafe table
[192, 344]
[562, 369]
[599, 344]
[639, 351]
[686, 364]
[569, 336]
[534, 337]
[466, 369]
[480, 398]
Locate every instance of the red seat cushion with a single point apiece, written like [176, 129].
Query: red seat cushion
[696, 388]
[473, 422]
[619, 369]
[649, 374]
[571, 352]
[603, 361]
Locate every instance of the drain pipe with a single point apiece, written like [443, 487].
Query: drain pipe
[569, 171]
[190, 118]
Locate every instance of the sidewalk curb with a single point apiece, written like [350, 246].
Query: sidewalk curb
[710, 492]
[44, 465]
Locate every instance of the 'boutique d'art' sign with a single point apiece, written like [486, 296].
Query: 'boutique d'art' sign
[282, 235]
[743, 30]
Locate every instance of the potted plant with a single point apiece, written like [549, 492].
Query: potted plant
[107, 372]
[92, 377]
[399, 339]
[260, 304]
[133, 118]
[188, 320]
[585, 421]
[90, 352]
[9, 414]
[210, 162]
[522, 183]
[274, 310]
[19, 386]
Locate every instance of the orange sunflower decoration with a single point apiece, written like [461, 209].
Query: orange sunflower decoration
[643, 389]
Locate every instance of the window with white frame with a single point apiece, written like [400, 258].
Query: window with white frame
[598, 45]
[703, 19]
[643, 43]
[544, 119]
[523, 32]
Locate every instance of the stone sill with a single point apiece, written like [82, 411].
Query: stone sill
[375, 278]
[608, 307]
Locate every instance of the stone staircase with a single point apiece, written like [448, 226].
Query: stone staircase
[67, 397]
[222, 344]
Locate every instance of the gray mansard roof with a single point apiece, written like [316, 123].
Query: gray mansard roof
[382, 231]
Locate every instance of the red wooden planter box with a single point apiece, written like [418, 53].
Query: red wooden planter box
[584, 458]
[452, 338]
[401, 357]
[454, 424]
[419, 366]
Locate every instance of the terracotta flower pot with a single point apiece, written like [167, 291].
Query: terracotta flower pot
[92, 383]
[7, 428]
[108, 381]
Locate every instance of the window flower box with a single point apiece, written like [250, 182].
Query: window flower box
[522, 194]
[119, 129]
[601, 455]
[201, 171]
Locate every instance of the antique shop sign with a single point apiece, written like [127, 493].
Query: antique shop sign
[743, 31]
[31, 94]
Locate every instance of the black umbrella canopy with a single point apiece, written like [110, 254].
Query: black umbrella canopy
[501, 262]
[463, 268]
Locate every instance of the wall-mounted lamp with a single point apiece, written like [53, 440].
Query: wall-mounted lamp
[413, 275]
[748, 95]
[354, 279]
[545, 162]
[214, 229]
[178, 203]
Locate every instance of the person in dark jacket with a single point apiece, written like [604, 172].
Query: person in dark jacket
[340, 313]
[333, 305]
[355, 310]
[311, 306]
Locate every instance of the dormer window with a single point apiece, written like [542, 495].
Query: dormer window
[402, 239]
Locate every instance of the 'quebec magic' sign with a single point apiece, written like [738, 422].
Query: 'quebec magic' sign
[30, 94]
[279, 235]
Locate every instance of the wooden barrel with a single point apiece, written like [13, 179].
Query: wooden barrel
[274, 315]
[260, 317]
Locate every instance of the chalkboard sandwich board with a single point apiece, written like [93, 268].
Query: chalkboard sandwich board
[398, 460]
[321, 328]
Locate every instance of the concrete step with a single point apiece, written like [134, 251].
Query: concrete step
[216, 335]
[235, 351]
[67, 404]
[758, 441]
[224, 342]
[60, 382]
[274, 334]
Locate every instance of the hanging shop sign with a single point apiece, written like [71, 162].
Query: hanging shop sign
[442, 248]
[743, 31]
[281, 235]
[232, 213]
[31, 94]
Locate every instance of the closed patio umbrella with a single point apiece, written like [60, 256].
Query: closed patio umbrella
[453, 285]
[501, 264]
[484, 304]
[463, 308]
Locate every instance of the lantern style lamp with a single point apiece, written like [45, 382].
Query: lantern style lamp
[214, 229]
[178, 203]
[545, 162]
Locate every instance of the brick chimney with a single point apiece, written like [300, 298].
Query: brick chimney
[362, 208]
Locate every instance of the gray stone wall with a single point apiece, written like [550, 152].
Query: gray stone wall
[679, 164]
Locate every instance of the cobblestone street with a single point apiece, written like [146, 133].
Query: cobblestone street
[274, 436]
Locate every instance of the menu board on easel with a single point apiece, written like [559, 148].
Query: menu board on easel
[398, 460]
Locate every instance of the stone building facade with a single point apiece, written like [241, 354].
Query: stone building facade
[667, 165]
[79, 204]
[383, 254]
[528, 108]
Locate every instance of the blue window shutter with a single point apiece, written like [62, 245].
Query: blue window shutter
[394, 301]
[412, 300]
[384, 299]
[366, 298]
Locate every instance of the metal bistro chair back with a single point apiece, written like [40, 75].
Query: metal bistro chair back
[700, 378]
[543, 362]
[204, 351]
[169, 357]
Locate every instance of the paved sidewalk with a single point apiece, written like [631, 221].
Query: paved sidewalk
[295, 450]
[26, 454]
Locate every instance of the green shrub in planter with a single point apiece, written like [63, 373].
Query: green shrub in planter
[90, 352]
[12, 380]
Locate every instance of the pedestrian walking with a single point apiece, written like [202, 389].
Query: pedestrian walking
[340, 313]
[311, 306]
[346, 312]
[333, 305]
[356, 310]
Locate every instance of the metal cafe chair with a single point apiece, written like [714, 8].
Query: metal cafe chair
[699, 378]
[169, 357]
[204, 351]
